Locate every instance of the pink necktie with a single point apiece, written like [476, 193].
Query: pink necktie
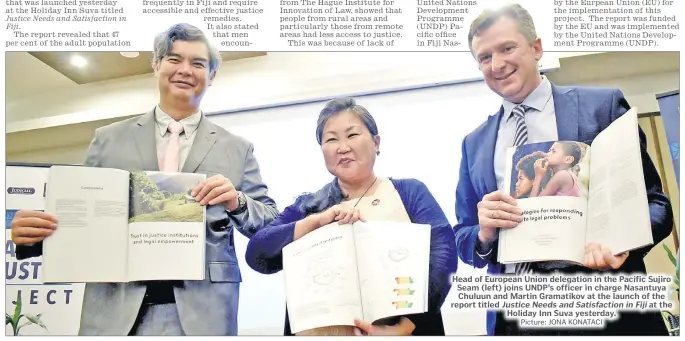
[170, 162]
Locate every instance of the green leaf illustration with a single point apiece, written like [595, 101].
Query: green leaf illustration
[36, 320]
[19, 328]
[17, 310]
[670, 254]
[14, 320]
[676, 280]
[674, 261]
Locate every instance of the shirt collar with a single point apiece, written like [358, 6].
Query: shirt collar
[537, 99]
[189, 123]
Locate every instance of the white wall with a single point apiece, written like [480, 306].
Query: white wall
[275, 78]
[63, 155]
[260, 81]
[639, 90]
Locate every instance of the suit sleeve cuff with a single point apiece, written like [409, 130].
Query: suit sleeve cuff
[483, 250]
[28, 251]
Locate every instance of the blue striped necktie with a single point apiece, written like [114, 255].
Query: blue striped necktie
[521, 136]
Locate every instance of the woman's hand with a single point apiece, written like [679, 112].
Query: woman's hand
[343, 215]
[404, 328]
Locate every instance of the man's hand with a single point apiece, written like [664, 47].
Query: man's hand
[216, 190]
[601, 258]
[404, 328]
[497, 210]
[30, 227]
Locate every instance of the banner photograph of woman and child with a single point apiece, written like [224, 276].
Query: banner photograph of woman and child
[559, 168]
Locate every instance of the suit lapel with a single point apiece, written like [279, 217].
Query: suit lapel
[488, 162]
[145, 141]
[204, 140]
[566, 112]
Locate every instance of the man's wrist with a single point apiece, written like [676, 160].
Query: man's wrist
[484, 246]
[242, 204]
[485, 238]
[483, 250]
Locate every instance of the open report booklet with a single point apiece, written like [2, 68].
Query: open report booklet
[369, 271]
[119, 226]
[573, 194]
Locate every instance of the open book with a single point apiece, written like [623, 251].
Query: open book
[116, 226]
[573, 194]
[369, 271]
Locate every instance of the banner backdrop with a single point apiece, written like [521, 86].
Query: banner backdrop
[46, 309]
[669, 105]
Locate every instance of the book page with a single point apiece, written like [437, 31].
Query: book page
[90, 243]
[619, 215]
[549, 181]
[321, 280]
[166, 227]
[553, 230]
[393, 262]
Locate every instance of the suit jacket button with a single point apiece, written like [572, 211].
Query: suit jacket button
[253, 229]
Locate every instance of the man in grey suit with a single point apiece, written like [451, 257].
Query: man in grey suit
[174, 136]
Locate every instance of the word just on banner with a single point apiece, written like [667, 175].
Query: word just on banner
[23, 277]
[563, 301]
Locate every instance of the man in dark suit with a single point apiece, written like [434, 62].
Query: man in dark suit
[506, 46]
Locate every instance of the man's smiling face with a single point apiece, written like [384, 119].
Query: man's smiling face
[184, 73]
[507, 60]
